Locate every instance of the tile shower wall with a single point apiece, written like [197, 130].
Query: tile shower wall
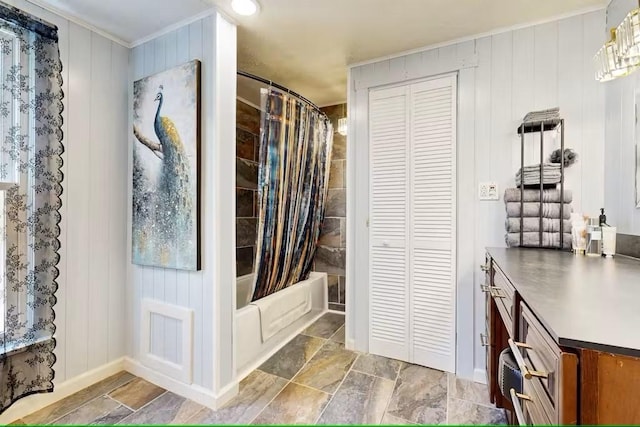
[330, 256]
[247, 139]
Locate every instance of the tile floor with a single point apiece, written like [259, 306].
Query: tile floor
[311, 380]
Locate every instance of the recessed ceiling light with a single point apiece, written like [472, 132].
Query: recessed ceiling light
[244, 7]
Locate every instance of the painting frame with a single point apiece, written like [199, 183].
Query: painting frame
[166, 171]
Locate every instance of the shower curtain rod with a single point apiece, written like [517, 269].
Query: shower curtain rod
[280, 87]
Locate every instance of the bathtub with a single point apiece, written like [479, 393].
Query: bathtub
[251, 349]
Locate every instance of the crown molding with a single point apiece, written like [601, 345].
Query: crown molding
[173, 27]
[249, 103]
[79, 21]
[331, 104]
[130, 45]
[494, 32]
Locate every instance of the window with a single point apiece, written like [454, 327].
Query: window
[30, 184]
[3, 253]
[10, 119]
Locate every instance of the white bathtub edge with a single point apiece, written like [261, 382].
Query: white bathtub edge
[250, 350]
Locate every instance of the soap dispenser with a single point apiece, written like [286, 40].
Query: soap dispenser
[602, 219]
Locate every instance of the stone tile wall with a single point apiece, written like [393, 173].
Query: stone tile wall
[330, 256]
[247, 140]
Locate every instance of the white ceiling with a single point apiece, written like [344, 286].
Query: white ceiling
[306, 45]
[128, 20]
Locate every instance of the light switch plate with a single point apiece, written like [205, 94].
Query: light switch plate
[488, 191]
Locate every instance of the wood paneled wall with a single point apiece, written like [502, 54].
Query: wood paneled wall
[517, 71]
[90, 312]
[183, 288]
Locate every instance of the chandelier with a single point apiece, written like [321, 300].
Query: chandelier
[620, 56]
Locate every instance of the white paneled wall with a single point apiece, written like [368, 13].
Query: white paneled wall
[90, 312]
[501, 77]
[210, 291]
[183, 288]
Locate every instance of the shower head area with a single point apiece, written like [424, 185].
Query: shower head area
[283, 162]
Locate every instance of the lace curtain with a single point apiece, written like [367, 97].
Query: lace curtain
[295, 154]
[30, 184]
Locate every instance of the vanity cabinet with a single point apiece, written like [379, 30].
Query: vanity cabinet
[556, 312]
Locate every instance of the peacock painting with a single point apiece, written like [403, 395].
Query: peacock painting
[165, 168]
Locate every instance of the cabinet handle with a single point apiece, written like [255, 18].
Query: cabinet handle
[484, 340]
[484, 267]
[526, 372]
[497, 292]
[515, 399]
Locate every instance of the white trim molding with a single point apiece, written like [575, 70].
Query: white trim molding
[33, 403]
[173, 27]
[463, 60]
[77, 20]
[194, 392]
[130, 45]
[489, 33]
[179, 371]
[480, 376]
[249, 103]
[428, 70]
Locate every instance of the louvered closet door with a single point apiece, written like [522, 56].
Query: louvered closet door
[433, 222]
[412, 222]
[388, 255]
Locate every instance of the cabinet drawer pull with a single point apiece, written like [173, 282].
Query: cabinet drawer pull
[484, 267]
[497, 292]
[484, 341]
[487, 288]
[515, 399]
[526, 372]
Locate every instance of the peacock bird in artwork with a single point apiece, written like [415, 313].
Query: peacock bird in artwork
[173, 204]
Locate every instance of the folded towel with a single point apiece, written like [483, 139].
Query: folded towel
[533, 224]
[279, 312]
[549, 240]
[548, 196]
[550, 168]
[538, 116]
[532, 209]
[551, 174]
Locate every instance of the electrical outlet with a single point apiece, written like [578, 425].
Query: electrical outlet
[488, 191]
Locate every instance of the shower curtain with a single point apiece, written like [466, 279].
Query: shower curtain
[295, 153]
[30, 161]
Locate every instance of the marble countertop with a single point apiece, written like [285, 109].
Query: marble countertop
[584, 302]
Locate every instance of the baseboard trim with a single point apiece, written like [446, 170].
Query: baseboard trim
[194, 392]
[350, 344]
[33, 403]
[480, 376]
